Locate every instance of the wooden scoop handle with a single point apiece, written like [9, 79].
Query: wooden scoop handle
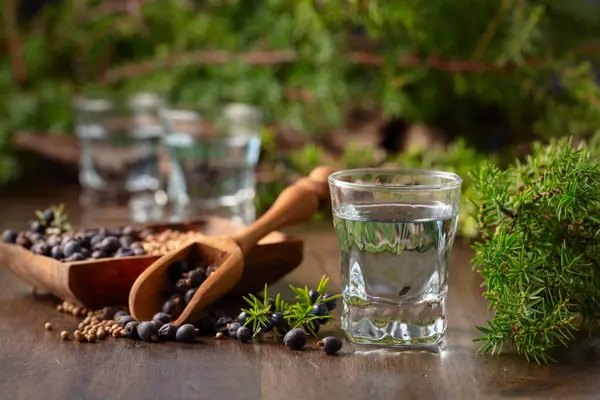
[296, 203]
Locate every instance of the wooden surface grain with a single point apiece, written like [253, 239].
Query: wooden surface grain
[34, 363]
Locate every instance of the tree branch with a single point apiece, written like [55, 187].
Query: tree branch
[216, 57]
[15, 46]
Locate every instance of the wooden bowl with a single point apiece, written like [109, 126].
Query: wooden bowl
[98, 283]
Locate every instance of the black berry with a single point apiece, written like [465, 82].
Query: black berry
[244, 334]
[157, 323]
[189, 294]
[167, 332]
[233, 328]
[182, 286]
[126, 241]
[24, 241]
[331, 344]
[75, 257]
[175, 269]
[108, 313]
[71, 248]
[314, 295]
[42, 249]
[186, 333]
[37, 227]
[123, 321]
[129, 231]
[195, 278]
[162, 317]
[110, 244]
[10, 236]
[147, 331]
[331, 304]
[98, 254]
[278, 321]
[173, 307]
[295, 339]
[96, 240]
[48, 215]
[120, 314]
[57, 253]
[321, 310]
[131, 330]
[124, 252]
[242, 317]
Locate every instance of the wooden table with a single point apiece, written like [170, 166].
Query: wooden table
[34, 363]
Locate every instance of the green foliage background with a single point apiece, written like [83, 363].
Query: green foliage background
[306, 62]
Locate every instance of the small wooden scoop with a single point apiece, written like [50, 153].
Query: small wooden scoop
[296, 203]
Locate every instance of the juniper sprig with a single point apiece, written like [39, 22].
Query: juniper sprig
[539, 252]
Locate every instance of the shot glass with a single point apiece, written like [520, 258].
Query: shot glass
[119, 164]
[395, 230]
[212, 169]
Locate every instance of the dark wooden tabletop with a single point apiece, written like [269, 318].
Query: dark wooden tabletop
[34, 363]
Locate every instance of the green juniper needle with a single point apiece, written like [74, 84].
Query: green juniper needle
[539, 249]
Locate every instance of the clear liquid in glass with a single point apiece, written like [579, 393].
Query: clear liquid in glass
[394, 271]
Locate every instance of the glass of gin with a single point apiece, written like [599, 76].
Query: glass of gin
[395, 229]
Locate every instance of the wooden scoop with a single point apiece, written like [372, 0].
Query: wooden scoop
[296, 203]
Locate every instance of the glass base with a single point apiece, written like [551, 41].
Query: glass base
[386, 324]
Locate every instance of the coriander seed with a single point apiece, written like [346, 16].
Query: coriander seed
[219, 335]
[64, 335]
[48, 326]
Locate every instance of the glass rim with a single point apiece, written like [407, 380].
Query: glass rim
[453, 180]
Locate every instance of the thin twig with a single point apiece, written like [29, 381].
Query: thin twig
[13, 36]
[490, 30]
[216, 57]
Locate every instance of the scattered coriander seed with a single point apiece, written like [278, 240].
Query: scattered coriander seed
[48, 326]
[219, 335]
[76, 311]
[64, 335]
[91, 338]
[81, 326]
[59, 308]
[80, 337]
[101, 333]
[117, 332]
[330, 344]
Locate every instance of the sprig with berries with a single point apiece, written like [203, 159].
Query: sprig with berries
[312, 309]
[53, 220]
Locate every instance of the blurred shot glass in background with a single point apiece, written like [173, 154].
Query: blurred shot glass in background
[212, 169]
[119, 164]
